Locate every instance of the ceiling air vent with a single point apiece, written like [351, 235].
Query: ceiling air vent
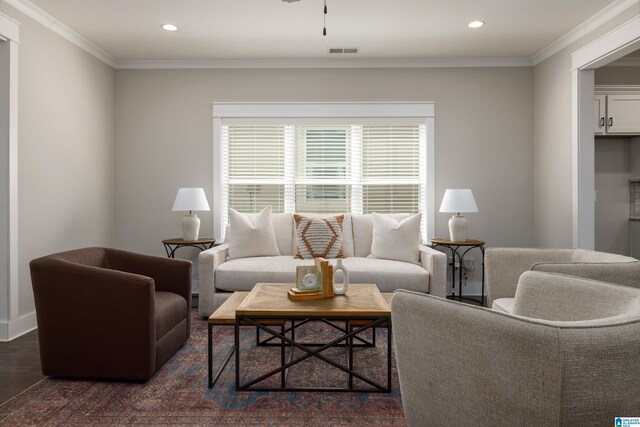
[343, 50]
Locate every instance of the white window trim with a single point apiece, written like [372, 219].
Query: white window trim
[227, 110]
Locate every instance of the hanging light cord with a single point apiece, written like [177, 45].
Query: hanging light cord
[324, 28]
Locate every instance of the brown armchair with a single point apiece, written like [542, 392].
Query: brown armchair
[108, 313]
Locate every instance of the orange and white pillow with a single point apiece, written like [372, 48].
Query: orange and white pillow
[319, 237]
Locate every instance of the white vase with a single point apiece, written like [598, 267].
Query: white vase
[190, 227]
[340, 288]
[457, 228]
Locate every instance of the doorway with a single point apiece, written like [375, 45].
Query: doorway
[614, 45]
[617, 156]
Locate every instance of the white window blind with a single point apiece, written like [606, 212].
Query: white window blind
[323, 180]
[392, 158]
[254, 167]
[324, 168]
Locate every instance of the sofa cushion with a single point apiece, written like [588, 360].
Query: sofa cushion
[253, 236]
[504, 305]
[319, 237]
[283, 227]
[363, 232]
[171, 309]
[389, 275]
[243, 273]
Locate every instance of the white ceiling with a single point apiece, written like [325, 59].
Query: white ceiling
[273, 29]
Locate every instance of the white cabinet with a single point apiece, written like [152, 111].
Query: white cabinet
[600, 112]
[617, 110]
[623, 114]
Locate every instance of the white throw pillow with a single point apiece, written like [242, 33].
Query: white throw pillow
[251, 237]
[396, 240]
[363, 232]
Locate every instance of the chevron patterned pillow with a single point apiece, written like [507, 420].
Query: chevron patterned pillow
[319, 237]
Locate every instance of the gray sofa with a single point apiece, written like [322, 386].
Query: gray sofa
[220, 276]
[569, 355]
[505, 265]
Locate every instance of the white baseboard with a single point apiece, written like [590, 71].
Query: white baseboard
[16, 328]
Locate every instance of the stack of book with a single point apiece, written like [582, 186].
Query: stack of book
[300, 295]
[326, 288]
[326, 273]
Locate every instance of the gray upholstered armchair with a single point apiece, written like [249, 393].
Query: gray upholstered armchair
[505, 265]
[569, 355]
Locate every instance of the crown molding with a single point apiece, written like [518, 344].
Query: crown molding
[583, 29]
[39, 15]
[325, 63]
[609, 47]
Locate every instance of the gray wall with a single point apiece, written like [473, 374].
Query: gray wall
[617, 76]
[553, 217]
[100, 147]
[484, 138]
[66, 149]
[612, 197]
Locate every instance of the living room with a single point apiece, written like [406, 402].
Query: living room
[106, 127]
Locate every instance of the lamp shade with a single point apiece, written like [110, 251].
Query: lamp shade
[458, 200]
[191, 199]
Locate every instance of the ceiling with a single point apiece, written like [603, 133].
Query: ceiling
[272, 29]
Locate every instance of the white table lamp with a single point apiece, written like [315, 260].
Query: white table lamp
[457, 201]
[190, 199]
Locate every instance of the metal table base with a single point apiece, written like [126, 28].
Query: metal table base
[346, 339]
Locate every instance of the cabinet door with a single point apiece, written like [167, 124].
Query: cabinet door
[599, 114]
[623, 114]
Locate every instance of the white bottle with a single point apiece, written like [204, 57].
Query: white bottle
[340, 288]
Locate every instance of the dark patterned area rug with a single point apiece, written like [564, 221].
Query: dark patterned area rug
[178, 393]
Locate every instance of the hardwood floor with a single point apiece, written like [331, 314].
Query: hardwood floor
[19, 365]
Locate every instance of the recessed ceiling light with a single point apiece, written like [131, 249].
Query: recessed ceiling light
[476, 24]
[169, 27]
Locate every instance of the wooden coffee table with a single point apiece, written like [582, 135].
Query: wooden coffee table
[267, 306]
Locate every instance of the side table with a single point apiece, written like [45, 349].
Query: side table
[458, 253]
[171, 245]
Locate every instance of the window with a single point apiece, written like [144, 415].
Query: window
[323, 179]
[254, 167]
[323, 165]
